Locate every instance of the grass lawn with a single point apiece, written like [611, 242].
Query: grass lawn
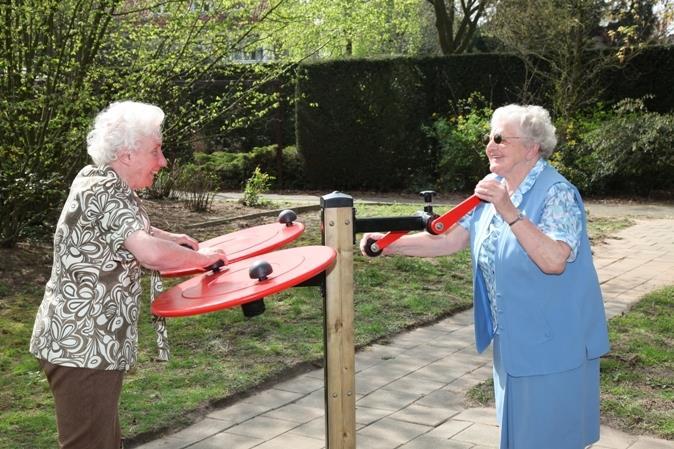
[638, 373]
[217, 356]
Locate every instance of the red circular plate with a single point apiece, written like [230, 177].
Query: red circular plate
[247, 243]
[210, 292]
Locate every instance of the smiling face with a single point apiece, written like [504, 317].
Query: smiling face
[145, 162]
[515, 155]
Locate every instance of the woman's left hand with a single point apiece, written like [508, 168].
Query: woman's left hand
[493, 191]
[186, 240]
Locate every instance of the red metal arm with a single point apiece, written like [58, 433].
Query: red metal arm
[446, 220]
[437, 226]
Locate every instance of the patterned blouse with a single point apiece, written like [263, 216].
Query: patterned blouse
[89, 314]
[561, 220]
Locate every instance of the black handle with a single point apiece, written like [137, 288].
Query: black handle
[260, 270]
[287, 216]
[368, 248]
[215, 267]
[428, 199]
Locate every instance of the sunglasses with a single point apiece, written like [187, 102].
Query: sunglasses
[498, 138]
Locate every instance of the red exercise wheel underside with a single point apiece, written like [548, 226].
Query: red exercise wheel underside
[210, 292]
[246, 243]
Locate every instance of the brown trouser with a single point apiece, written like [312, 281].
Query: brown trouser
[87, 403]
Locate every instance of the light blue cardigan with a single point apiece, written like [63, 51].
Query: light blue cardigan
[547, 323]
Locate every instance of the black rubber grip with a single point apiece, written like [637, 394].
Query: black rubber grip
[368, 248]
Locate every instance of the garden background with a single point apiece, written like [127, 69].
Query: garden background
[378, 95]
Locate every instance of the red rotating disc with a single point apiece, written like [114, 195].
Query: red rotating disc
[210, 292]
[247, 243]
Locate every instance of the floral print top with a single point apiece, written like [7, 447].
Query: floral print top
[89, 313]
[561, 220]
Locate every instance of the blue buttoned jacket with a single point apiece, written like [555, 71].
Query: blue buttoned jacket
[547, 323]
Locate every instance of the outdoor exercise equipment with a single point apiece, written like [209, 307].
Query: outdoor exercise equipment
[331, 265]
[250, 242]
[428, 221]
[340, 226]
[244, 282]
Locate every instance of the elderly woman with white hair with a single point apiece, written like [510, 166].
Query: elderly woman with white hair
[86, 330]
[536, 291]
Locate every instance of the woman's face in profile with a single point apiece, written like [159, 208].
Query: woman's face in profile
[146, 162]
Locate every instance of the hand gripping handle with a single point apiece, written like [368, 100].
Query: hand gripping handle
[437, 226]
[374, 248]
[214, 267]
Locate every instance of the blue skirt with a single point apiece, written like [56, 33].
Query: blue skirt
[552, 411]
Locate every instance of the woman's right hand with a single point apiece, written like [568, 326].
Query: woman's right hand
[212, 255]
[369, 236]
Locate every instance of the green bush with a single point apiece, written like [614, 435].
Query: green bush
[228, 168]
[462, 161]
[232, 170]
[197, 186]
[30, 203]
[622, 150]
[164, 184]
[635, 152]
[574, 157]
[289, 175]
[257, 184]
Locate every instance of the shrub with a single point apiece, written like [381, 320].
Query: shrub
[197, 187]
[634, 150]
[257, 184]
[462, 161]
[620, 150]
[574, 157]
[232, 170]
[163, 186]
[30, 204]
[290, 173]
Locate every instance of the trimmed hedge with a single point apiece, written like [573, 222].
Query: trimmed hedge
[359, 123]
[649, 75]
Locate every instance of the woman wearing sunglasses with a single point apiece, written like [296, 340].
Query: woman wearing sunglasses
[536, 292]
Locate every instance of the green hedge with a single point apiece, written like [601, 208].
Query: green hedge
[648, 74]
[360, 123]
[266, 118]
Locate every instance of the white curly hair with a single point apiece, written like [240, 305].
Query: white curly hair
[534, 122]
[121, 126]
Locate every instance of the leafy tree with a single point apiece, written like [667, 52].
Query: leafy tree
[631, 21]
[562, 42]
[47, 51]
[336, 28]
[570, 43]
[180, 59]
[63, 60]
[457, 23]
[664, 27]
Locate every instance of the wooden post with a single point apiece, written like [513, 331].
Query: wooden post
[340, 384]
